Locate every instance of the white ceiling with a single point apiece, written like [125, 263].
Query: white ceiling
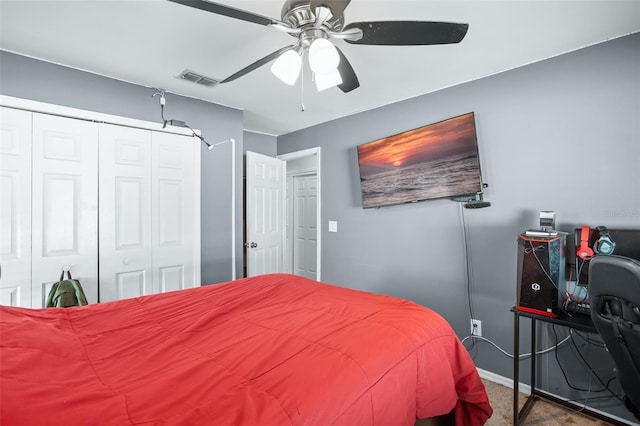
[149, 42]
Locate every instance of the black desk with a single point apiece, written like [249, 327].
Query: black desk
[577, 322]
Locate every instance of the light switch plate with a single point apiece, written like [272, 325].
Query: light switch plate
[333, 226]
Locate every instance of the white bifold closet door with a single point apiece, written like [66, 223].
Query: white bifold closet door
[15, 207]
[149, 222]
[49, 210]
[175, 218]
[120, 206]
[64, 226]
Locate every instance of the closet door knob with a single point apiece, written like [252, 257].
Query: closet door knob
[125, 261]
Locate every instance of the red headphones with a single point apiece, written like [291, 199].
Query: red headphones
[584, 252]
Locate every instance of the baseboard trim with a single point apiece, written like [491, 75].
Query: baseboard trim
[501, 380]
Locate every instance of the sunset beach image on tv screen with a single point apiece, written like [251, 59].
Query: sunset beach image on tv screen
[439, 160]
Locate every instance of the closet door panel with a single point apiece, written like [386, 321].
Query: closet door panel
[15, 207]
[132, 283]
[65, 204]
[125, 212]
[175, 213]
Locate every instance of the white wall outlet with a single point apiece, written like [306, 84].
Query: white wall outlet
[476, 327]
[333, 226]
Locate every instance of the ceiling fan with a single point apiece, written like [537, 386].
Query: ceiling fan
[314, 23]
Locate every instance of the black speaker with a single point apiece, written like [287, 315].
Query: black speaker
[540, 274]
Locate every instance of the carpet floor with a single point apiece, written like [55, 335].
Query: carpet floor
[542, 413]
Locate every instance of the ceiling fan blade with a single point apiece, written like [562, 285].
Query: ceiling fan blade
[349, 77]
[257, 64]
[408, 33]
[231, 12]
[337, 6]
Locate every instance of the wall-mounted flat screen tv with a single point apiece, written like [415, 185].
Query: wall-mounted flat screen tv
[439, 160]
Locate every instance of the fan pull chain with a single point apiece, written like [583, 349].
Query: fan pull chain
[302, 90]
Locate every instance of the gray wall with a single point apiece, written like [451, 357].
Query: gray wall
[260, 143]
[562, 134]
[27, 78]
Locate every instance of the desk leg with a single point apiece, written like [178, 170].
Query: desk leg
[520, 414]
[533, 356]
[516, 366]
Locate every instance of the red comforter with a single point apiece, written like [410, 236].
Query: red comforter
[268, 350]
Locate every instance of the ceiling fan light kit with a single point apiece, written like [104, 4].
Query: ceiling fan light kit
[323, 61]
[287, 67]
[314, 23]
[323, 56]
[327, 80]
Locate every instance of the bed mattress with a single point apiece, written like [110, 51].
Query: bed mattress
[268, 350]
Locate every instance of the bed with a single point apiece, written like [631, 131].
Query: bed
[274, 349]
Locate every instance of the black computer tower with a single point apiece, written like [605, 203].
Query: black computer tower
[540, 274]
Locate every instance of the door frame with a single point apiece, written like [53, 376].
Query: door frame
[296, 155]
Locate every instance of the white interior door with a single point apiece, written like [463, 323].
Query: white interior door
[125, 212]
[149, 212]
[305, 230]
[265, 214]
[175, 212]
[15, 207]
[65, 204]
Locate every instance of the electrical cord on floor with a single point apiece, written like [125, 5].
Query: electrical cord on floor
[591, 370]
[566, 378]
[598, 397]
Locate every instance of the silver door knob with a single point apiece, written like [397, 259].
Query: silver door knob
[125, 261]
[251, 245]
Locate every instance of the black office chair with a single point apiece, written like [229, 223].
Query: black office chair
[614, 293]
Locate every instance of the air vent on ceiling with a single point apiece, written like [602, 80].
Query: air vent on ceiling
[198, 78]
